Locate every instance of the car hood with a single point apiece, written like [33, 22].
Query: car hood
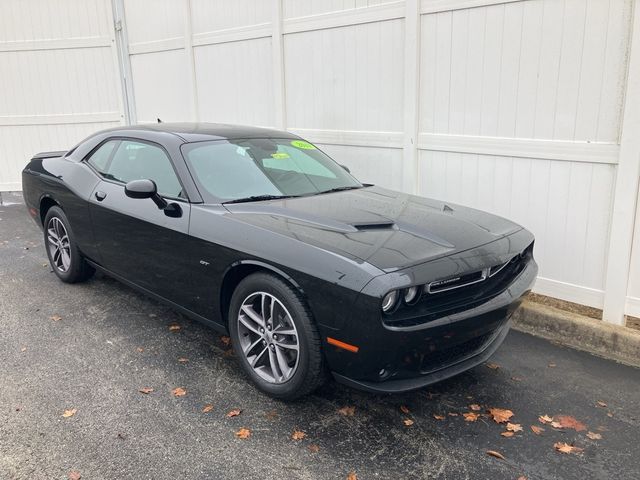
[387, 229]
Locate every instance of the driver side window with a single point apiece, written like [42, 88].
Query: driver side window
[139, 160]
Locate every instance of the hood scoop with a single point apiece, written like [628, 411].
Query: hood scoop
[385, 225]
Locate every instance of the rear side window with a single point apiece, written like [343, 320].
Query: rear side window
[138, 160]
[100, 158]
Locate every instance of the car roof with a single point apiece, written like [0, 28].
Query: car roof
[198, 132]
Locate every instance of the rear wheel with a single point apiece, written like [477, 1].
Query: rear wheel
[274, 337]
[66, 260]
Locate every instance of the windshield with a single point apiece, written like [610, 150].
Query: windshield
[227, 170]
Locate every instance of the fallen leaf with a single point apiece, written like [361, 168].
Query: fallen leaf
[234, 413]
[566, 448]
[514, 427]
[174, 327]
[507, 434]
[183, 360]
[493, 366]
[298, 435]
[313, 448]
[475, 407]
[495, 454]
[552, 365]
[404, 409]
[55, 318]
[74, 475]
[500, 415]
[567, 421]
[347, 411]
[69, 413]
[609, 414]
[272, 415]
[352, 476]
[179, 392]
[545, 419]
[470, 416]
[537, 430]
[243, 433]
[146, 390]
[522, 477]
[226, 341]
[594, 436]
[516, 379]
[451, 414]
[407, 422]
[23, 349]
[601, 404]
[207, 408]
[438, 417]
[602, 428]
[140, 349]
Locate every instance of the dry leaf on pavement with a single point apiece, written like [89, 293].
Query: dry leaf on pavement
[514, 427]
[69, 413]
[537, 430]
[470, 416]
[407, 422]
[495, 454]
[140, 349]
[566, 448]
[243, 433]
[234, 413]
[146, 390]
[475, 407]
[179, 392]
[183, 360]
[207, 408]
[507, 434]
[493, 366]
[552, 365]
[404, 409]
[438, 417]
[500, 415]
[545, 419]
[352, 476]
[594, 436]
[226, 341]
[74, 475]
[174, 327]
[567, 421]
[313, 448]
[55, 318]
[298, 435]
[347, 411]
[601, 404]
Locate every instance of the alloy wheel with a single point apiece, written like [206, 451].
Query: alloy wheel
[268, 337]
[58, 243]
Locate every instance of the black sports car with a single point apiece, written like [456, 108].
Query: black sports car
[259, 234]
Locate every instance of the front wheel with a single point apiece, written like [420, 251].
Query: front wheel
[65, 257]
[274, 337]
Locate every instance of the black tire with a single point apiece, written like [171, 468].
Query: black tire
[78, 269]
[310, 371]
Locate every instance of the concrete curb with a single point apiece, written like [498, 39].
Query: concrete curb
[582, 333]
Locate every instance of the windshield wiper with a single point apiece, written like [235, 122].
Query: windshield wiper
[258, 198]
[340, 189]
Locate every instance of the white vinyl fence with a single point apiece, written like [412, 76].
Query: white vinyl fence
[526, 108]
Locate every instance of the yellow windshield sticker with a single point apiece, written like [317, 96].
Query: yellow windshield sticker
[303, 145]
[279, 155]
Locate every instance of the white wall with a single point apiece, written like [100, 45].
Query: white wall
[59, 78]
[512, 106]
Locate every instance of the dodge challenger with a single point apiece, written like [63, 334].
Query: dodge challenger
[260, 235]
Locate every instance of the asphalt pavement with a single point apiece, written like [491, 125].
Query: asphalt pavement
[88, 349]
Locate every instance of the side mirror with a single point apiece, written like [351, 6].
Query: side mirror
[346, 168]
[145, 189]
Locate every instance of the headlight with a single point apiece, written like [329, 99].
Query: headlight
[389, 301]
[410, 295]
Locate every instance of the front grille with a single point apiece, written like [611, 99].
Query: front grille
[449, 356]
[461, 293]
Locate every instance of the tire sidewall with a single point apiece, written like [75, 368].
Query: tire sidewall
[272, 285]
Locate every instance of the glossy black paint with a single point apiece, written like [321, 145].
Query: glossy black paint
[343, 251]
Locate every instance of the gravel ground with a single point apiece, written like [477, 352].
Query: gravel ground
[111, 341]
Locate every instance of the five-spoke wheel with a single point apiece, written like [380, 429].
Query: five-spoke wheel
[58, 243]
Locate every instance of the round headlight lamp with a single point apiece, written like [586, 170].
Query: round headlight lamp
[410, 295]
[389, 301]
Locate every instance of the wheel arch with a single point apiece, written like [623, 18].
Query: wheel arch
[46, 202]
[241, 269]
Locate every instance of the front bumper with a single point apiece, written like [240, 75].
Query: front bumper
[399, 360]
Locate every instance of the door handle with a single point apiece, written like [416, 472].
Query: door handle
[100, 196]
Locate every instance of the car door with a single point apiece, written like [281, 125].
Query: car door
[137, 240]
